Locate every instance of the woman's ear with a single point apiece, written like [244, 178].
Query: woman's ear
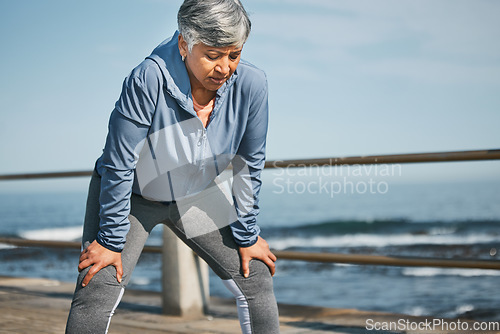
[183, 47]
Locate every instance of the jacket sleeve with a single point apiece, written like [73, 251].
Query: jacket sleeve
[128, 128]
[247, 168]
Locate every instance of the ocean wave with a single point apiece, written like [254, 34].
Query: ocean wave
[417, 311]
[379, 240]
[463, 309]
[384, 226]
[458, 311]
[432, 272]
[73, 233]
[142, 281]
[442, 230]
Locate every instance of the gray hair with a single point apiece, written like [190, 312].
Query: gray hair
[217, 23]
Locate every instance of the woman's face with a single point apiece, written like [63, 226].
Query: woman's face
[209, 67]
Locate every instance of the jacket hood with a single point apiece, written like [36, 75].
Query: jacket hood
[174, 71]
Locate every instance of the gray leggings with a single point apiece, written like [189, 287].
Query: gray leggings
[93, 305]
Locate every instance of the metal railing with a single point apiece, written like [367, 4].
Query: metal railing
[188, 293]
[360, 259]
[477, 155]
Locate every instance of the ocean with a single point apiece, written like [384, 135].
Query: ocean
[447, 220]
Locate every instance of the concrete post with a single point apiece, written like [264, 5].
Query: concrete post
[185, 289]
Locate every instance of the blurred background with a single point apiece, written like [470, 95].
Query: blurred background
[346, 78]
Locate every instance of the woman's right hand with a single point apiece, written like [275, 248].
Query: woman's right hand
[99, 257]
[260, 251]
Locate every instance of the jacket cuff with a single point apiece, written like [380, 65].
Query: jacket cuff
[106, 245]
[247, 243]
[245, 235]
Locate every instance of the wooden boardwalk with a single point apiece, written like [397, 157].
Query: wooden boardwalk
[29, 306]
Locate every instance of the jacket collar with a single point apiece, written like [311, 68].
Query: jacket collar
[174, 71]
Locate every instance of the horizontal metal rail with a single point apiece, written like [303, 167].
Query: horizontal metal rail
[59, 244]
[359, 259]
[49, 175]
[493, 154]
[399, 261]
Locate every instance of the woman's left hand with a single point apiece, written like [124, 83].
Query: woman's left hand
[260, 251]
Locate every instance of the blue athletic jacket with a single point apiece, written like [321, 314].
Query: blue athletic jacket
[158, 148]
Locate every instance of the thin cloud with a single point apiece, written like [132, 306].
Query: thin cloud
[446, 41]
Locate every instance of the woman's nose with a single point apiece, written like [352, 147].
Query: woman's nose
[223, 66]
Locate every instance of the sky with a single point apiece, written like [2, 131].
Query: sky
[346, 78]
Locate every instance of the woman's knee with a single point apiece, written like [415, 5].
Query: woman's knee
[259, 281]
[104, 279]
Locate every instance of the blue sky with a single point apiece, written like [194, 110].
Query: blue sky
[346, 78]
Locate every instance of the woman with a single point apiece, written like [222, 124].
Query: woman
[187, 112]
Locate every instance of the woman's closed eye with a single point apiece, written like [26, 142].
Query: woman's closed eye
[234, 56]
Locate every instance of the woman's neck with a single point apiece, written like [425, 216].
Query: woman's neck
[203, 96]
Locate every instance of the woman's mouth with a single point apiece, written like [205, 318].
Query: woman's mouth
[217, 81]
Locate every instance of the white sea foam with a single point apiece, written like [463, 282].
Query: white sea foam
[381, 240]
[430, 272]
[140, 280]
[459, 311]
[416, 311]
[57, 234]
[442, 230]
[462, 309]
[6, 246]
